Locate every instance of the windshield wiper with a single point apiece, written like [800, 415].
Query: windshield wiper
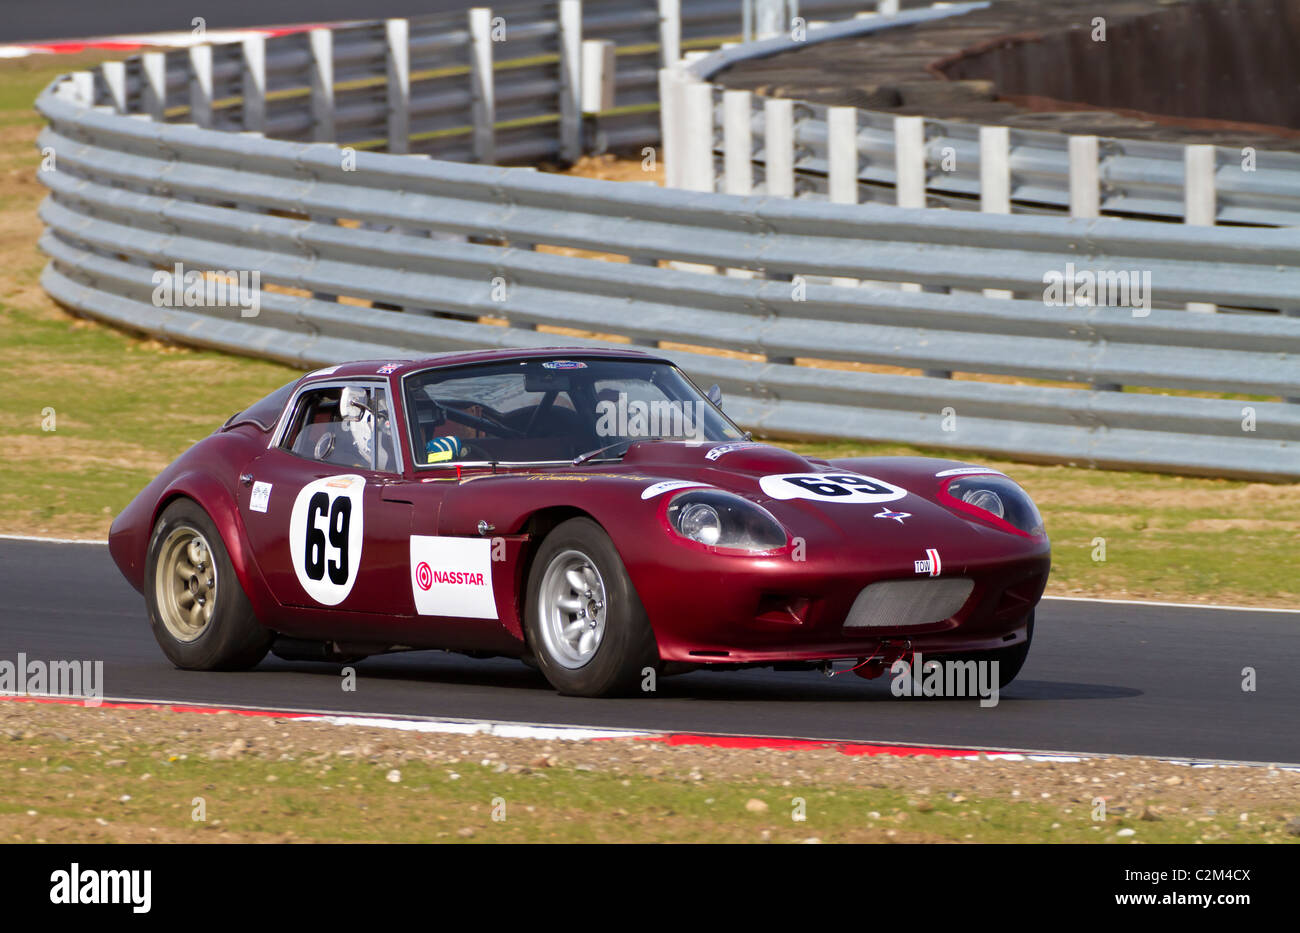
[583, 458]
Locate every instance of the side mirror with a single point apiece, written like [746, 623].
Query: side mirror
[715, 395]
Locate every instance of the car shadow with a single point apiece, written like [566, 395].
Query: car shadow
[718, 686]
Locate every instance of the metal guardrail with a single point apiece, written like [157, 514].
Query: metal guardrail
[332, 84]
[383, 255]
[1134, 178]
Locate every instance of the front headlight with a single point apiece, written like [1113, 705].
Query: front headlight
[996, 496]
[722, 519]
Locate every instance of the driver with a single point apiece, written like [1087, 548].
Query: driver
[359, 423]
[443, 448]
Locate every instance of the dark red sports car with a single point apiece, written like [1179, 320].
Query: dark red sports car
[590, 512]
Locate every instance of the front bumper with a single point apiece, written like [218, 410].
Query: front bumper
[772, 614]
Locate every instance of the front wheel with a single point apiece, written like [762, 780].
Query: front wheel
[199, 613]
[1010, 659]
[586, 626]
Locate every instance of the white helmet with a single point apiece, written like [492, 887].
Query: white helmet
[358, 421]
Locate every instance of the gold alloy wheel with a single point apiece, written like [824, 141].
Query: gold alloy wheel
[186, 584]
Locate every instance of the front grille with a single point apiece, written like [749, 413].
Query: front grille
[900, 603]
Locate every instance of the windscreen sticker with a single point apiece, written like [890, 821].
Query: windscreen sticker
[848, 488]
[564, 364]
[452, 577]
[325, 536]
[670, 484]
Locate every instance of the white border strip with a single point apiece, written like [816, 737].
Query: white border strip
[1153, 602]
[40, 540]
[504, 730]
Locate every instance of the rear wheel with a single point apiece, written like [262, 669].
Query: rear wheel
[1010, 659]
[199, 613]
[587, 629]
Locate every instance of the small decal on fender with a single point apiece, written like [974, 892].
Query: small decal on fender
[931, 565]
[260, 499]
[670, 484]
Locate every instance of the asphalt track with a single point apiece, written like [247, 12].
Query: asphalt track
[30, 20]
[1102, 678]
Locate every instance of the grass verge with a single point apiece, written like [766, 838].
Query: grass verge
[69, 774]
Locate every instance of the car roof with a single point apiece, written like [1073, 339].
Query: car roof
[401, 366]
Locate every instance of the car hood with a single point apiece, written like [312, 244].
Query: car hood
[904, 508]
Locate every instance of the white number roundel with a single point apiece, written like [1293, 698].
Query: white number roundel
[326, 532]
[848, 488]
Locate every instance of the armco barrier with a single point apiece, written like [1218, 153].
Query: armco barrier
[381, 255]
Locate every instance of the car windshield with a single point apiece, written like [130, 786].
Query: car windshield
[538, 410]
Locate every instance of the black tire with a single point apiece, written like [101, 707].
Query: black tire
[229, 638]
[1010, 659]
[627, 644]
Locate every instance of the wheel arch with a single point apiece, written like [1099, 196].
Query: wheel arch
[217, 503]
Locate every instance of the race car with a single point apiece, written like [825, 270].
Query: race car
[590, 512]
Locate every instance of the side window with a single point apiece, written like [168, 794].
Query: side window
[346, 426]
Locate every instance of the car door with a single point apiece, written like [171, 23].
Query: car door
[326, 509]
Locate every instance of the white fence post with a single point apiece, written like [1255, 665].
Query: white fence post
[738, 142]
[1085, 199]
[570, 41]
[397, 59]
[598, 75]
[153, 93]
[670, 118]
[995, 180]
[483, 87]
[1085, 177]
[842, 164]
[114, 75]
[769, 15]
[887, 7]
[778, 146]
[842, 154]
[697, 141]
[910, 173]
[909, 161]
[322, 84]
[253, 83]
[670, 32]
[83, 88]
[1199, 200]
[738, 151]
[201, 85]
